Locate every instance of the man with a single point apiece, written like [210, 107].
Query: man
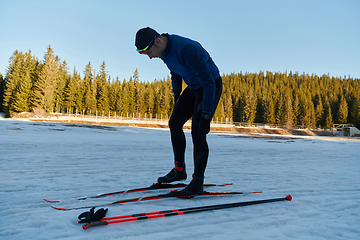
[187, 60]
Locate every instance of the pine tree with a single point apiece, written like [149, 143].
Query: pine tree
[280, 110]
[343, 111]
[269, 109]
[319, 113]
[13, 78]
[165, 101]
[114, 93]
[102, 90]
[22, 95]
[228, 107]
[305, 114]
[119, 94]
[157, 99]
[89, 90]
[354, 111]
[126, 98]
[46, 83]
[328, 114]
[289, 114]
[218, 111]
[250, 106]
[312, 115]
[137, 91]
[2, 86]
[79, 93]
[357, 113]
[73, 93]
[148, 99]
[62, 81]
[296, 110]
[93, 94]
[143, 105]
[131, 96]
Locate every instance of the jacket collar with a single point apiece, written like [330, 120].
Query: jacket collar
[168, 45]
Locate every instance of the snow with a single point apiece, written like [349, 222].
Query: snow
[57, 161]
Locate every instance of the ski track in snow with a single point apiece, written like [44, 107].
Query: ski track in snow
[57, 161]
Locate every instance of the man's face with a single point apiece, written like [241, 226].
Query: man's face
[155, 51]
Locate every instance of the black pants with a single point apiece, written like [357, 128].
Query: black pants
[190, 105]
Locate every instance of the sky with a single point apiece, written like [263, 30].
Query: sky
[313, 37]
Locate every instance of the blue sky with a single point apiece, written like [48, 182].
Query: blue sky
[311, 36]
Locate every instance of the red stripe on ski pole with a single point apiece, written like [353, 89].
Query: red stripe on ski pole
[159, 214]
[139, 215]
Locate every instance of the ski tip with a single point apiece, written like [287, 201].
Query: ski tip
[227, 184]
[48, 200]
[289, 197]
[59, 208]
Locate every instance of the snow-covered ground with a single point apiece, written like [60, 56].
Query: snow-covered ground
[47, 160]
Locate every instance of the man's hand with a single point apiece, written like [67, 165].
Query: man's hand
[204, 123]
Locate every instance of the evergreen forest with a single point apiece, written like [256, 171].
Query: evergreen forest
[265, 97]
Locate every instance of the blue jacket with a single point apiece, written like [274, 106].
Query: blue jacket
[189, 61]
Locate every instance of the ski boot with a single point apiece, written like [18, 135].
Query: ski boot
[178, 173]
[195, 186]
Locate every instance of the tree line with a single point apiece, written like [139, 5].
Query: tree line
[271, 98]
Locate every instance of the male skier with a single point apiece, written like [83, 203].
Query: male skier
[187, 60]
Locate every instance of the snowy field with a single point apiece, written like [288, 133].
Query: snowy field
[47, 160]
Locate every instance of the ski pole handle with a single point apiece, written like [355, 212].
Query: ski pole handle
[94, 224]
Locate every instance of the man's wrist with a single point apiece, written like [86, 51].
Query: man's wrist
[206, 116]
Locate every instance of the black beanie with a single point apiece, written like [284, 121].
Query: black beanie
[144, 37]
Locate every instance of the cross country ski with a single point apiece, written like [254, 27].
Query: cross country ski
[172, 194]
[154, 186]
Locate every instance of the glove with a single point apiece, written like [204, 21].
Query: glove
[204, 123]
[88, 217]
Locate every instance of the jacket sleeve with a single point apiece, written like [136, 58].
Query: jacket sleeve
[176, 81]
[194, 58]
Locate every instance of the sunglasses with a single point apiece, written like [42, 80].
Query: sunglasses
[145, 50]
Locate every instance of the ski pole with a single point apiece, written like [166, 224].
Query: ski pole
[166, 213]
